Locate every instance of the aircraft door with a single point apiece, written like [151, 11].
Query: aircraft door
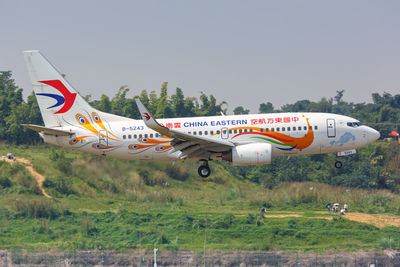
[224, 133]
[103, 138]
[331, 128]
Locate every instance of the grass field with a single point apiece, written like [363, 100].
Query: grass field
[101, 203]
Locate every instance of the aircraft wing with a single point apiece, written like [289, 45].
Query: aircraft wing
[189, 145]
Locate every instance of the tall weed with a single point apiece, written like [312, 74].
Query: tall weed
[36, 208]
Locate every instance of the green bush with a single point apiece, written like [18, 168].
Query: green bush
[153, 178]
[63, 163]
[60, 184]
[5, 182]
[36, 208]
[176, 172]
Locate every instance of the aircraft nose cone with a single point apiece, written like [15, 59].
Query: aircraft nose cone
[373, 135]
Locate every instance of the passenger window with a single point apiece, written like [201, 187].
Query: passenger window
[240, 130]
[288, 129]
[157, 135]
[310, 127]
[305, 128]
[145, 136]
[272, 130]
[266, 129]
[294, 128]
[140, 136]
[135, 136]
[277, 129]
[151, 135]
[230, 131]
[218, 132]
[200, 133]
[194, 133]
[224, 131]
[261, 130]
[245, 130]
[299, 128]
[129, 136]
[205, 133]
[124, 136]
[234, 131]
[283, 129]
[211, 132]
[251, 130]
[315, 127]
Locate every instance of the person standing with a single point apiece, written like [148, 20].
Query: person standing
[328, 206]
[345, 206]
[336, 207]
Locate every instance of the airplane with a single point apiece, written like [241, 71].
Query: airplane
[70, 122]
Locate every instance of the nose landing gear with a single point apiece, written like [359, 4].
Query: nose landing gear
[338, 164]
[204, 171]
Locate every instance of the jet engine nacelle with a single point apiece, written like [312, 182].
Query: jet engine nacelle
[250, 154]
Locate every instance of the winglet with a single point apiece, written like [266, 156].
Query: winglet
[148, 119]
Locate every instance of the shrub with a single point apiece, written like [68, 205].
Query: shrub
[88, 228]
[225, 222]
[379, 200]
[387, 243]
[176, 172]
[63, 163]
[36, 208]
[5, 182]
[62, 185]
[155, 178]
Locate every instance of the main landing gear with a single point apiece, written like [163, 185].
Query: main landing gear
[204, 171]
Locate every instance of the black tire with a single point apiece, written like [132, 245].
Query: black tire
[338, 164]
[204, 171]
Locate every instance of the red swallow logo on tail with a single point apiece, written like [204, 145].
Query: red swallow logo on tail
[146, 116]
[67, 99]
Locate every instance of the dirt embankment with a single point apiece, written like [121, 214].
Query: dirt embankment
[38, 177]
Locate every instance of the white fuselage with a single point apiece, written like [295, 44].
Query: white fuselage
[288, 133]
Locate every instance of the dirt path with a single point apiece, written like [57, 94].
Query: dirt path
[378, 220]
[38, 177]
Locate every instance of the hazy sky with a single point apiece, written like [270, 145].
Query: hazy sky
[244, 52]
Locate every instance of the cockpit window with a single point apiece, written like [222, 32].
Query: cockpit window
[354, 124]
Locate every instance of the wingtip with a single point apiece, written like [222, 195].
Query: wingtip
[30, 51]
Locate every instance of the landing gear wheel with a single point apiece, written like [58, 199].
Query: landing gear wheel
[338, 164]
[204, 171]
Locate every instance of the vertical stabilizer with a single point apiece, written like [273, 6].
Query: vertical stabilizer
[58, 100]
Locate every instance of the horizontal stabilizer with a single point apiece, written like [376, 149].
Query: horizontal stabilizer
[49, 131]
